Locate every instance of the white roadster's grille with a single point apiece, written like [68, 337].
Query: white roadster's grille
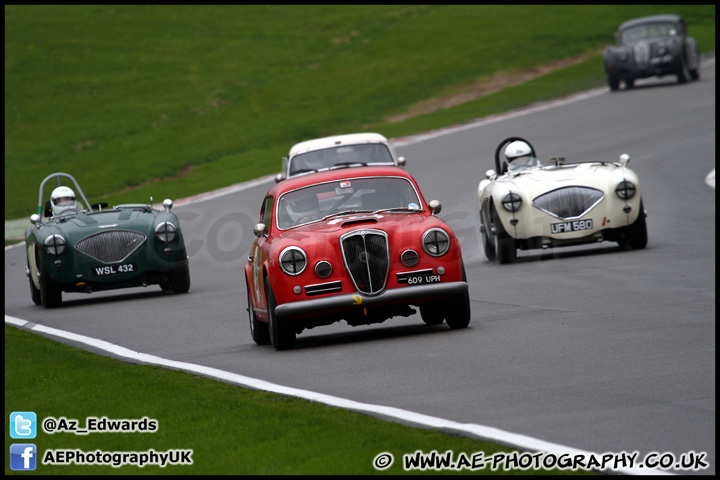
[112, 246]
[568, 202]
[367, 259]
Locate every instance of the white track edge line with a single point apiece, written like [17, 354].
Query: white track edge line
[486, 433]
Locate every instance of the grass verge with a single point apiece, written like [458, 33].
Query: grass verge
[231, 430]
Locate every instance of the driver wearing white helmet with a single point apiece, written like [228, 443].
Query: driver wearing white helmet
[519, 156]
[62, 201]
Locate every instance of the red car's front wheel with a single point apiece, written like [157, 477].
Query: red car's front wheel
[281, 334]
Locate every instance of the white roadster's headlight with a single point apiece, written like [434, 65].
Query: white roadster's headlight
[166, 232]
[293, 260]
[625, 189]
[55, 244]
[436, 242]
[511, 201]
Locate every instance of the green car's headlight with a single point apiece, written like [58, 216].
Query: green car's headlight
[166, 232]
[293, 260]
[55, 244]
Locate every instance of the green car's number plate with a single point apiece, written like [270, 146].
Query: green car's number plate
[114, 269]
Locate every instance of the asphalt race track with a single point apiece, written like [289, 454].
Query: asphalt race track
[591, 347]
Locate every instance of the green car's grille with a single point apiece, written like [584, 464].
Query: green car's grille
[112, 246]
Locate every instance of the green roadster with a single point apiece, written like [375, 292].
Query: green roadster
[73, 247]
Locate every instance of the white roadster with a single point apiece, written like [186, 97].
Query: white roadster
[527, 204]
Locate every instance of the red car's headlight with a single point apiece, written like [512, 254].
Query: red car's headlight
[293, 260]
[436, 242]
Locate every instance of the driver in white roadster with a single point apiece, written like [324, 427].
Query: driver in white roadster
[519, 156]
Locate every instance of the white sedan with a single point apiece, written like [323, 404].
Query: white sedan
[527, 204]
[338, 151]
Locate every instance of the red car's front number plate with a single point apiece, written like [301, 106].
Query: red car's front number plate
[423, 279]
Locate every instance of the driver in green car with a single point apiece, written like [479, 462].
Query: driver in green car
[62, 201]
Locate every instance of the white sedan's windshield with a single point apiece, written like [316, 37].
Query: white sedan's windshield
[369, 194]
[343, 155]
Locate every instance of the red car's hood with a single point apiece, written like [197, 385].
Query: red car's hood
[391, 223]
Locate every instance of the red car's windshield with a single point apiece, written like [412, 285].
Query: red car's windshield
[369, 194]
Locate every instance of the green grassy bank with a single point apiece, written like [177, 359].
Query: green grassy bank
[170, 101]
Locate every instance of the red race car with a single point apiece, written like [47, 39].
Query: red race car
[358, 244]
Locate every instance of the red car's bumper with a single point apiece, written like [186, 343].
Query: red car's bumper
[410, 295]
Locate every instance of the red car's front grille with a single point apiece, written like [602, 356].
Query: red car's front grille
[367, 259]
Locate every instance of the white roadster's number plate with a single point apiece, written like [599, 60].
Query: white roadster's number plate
[423, 279]
[575, 226]
[114, 269]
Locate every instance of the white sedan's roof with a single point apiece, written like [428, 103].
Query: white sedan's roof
[325, 142]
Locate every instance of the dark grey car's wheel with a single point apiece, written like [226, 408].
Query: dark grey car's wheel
[695, 72]
[614, 83]
[258, 330]
[683, 75]
[281, 335]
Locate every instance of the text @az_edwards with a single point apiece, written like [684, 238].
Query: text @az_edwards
[52, 425]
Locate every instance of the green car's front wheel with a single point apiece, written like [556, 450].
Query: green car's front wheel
[179, 279]
[50, 292]
[34, 292]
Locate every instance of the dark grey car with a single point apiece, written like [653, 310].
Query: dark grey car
[652, 46]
